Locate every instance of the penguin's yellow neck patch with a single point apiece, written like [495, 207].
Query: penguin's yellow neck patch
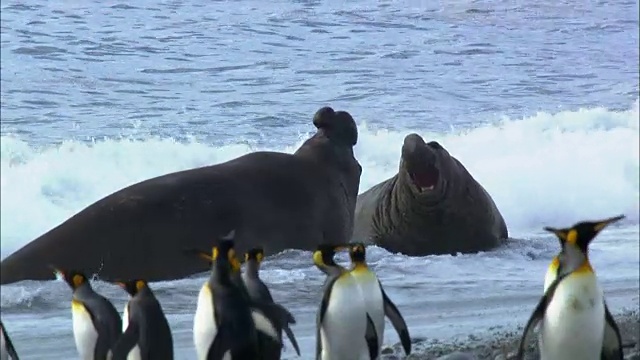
[235, 264]
[585, 268]
[555, 264]
[360, 266]
[76, 305]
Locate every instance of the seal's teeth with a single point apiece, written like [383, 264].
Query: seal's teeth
[426, 188]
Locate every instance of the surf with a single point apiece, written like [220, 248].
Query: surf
[540, 170]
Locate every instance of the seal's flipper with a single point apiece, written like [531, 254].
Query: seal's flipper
[537, 316]
[612, 342]
[292, 338]
[220, 345]
[392, 312]
[126, 342]
[372, 338]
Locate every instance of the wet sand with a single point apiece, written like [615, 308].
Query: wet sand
[503, 345]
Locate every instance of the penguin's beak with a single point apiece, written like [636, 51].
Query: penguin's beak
[560, 233]
[199, 253]
[604, 223]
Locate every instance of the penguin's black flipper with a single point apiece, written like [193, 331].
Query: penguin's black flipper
[220, 344]
[292, 338]
[126, 342]
[392, 312]
[276, 314]
[11, 351]
[372, 338]
[266, 325]
[107, 321]
[612, 342]
[537, 316]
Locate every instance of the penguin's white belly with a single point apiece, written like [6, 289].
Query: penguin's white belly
[84, 331]
[204, 324]
[134, 354]
[549, 277]
[344, 324]
[573, 326]
[374, 302]
[4, 355]
[125, 317]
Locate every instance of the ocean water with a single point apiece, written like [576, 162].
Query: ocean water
[538, 100]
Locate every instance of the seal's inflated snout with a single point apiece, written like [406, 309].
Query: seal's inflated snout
[420, 162]
[338, 126]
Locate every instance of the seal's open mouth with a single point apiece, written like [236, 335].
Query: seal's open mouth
[426, 178]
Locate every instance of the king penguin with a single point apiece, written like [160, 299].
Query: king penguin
[259, 292]
[343, 328]
[147, 335]
[7, 351]
[267, 315]
[96, 323]
[224, 326]
[376, 300]
[575, 321]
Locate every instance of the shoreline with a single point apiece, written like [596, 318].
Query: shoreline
[502, 345]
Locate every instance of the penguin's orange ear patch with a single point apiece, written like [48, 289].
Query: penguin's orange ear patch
[259, 256]
[78, 280]
[317, 257]
[140, 284]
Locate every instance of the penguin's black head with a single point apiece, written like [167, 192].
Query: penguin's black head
[225, 253]
[256, 254]
[581, 234]
[132, 286]
[74, 278]
[357, 252]
[324, 253]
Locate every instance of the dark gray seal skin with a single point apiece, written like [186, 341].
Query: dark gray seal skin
[276, 200]
[431, 206]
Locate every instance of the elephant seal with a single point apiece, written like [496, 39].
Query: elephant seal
[270, 199]
[431, 206]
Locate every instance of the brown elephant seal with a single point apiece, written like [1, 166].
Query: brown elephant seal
[274, 200]
[431, 206]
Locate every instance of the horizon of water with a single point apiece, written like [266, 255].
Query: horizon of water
[529, 97]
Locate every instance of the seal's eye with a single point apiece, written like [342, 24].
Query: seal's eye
[434, 145]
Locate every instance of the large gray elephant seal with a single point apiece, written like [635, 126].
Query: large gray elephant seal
[431, 206]
[274, 200]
